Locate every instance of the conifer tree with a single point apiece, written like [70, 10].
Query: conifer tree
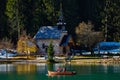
[111, 20]
[12, 12]
[50, 52]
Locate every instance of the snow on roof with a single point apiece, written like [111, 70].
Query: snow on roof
[48, 32]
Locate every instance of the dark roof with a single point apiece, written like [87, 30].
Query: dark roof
[109, 47]
[65, 40]
[102, 44]
[48, 32]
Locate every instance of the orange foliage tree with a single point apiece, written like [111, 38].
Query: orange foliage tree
[26, 45]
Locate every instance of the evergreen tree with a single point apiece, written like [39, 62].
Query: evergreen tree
[3, 20]
[50, 52]
[111, 20]
[29, 15]
[12, 12]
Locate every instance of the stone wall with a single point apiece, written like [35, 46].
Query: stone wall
[43, 44]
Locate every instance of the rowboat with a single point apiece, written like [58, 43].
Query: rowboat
[52, 73]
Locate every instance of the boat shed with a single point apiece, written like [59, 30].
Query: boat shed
[107, 47]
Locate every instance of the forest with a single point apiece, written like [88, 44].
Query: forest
[29, 15]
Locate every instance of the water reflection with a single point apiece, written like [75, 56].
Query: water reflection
[6, 67]
[97, 69]
[116, 68]
[20, 68]
[28, 67]
[42, 68]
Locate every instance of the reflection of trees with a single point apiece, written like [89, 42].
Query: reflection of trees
[50, 66]
[21, 68]
[83, 69]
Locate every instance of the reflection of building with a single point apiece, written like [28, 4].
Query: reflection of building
[41, 68]
[57, 34]
[7, 67]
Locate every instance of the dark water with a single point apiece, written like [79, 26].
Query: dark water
[25, 71]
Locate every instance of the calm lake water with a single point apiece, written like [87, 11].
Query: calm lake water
[38, 71]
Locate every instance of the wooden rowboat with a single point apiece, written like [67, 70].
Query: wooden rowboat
[51, 73]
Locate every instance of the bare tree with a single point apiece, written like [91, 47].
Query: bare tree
[6, 44]
[86, 35]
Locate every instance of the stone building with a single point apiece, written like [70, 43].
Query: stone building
[59, 36]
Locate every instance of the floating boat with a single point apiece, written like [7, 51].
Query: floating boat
[52, 73]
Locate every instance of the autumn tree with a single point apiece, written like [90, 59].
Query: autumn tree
[86, 36]
[25, 44]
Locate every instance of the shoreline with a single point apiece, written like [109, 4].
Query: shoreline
[77, 61]
[96, 61]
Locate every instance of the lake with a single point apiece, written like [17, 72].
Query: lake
[38, 71]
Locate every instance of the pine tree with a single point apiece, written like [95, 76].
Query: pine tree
[50, 52]
[12, 12]
[111, 20]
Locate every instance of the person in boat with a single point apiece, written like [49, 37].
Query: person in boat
[61, 69]
[64, 69]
